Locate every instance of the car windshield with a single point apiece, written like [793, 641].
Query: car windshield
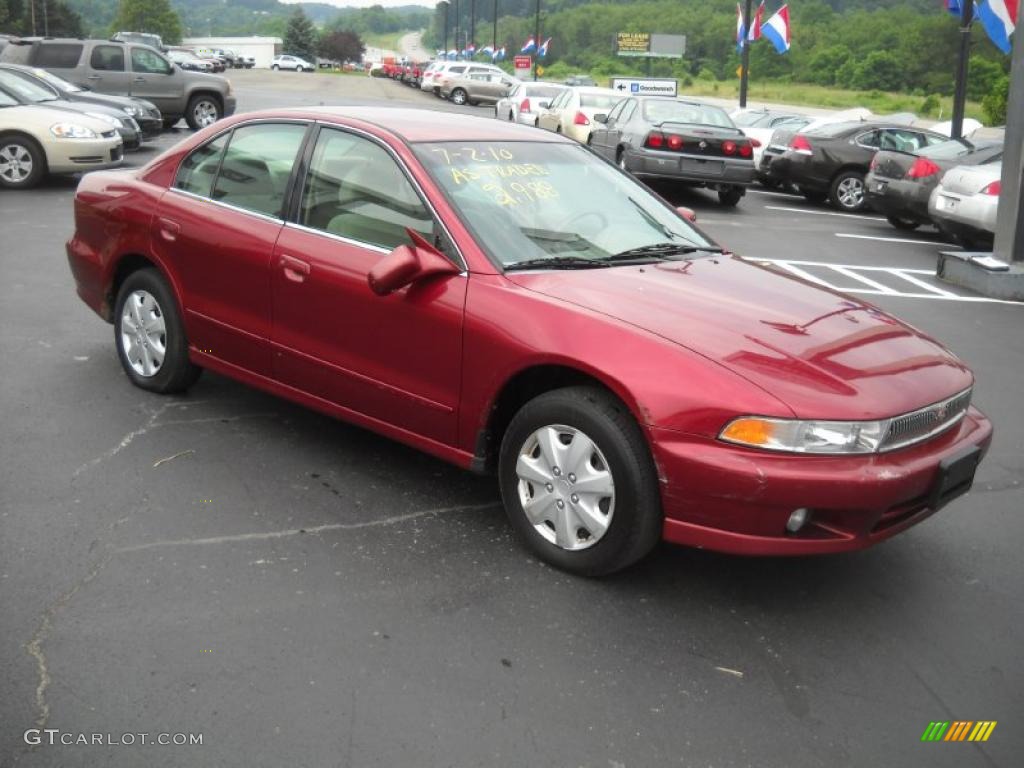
[57, 82]
[553, 205]
[24, 88]
[659, 111]
[752, 119]
[543, 91]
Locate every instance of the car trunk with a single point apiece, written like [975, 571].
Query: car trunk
[892, 165]
[705, 140]
[964, 180]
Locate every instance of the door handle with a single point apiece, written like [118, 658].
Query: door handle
[93, 77]
[169, 230]
[295, 270]
[139, 80]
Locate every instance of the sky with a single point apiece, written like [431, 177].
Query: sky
[368, 3]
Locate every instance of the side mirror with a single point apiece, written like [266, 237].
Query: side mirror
[687, 213]
[544, 104]
[408, 264]
[601, 118]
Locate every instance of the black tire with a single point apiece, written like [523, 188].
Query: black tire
[848, 192]
[730, 196]
[636, 519]
[170, 122]
[176, 373]
[275, 67]
[205, 104]
[458, 96]
[23, 150]
[907, 225]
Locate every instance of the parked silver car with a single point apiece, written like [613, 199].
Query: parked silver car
[963, 205]
[523, 104]
[480, 88]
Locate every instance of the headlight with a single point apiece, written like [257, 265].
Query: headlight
[109, 119]
[828, 437]
[72, 131]
[133, 111]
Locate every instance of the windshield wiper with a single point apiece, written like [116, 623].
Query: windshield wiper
[661, 249]
[557, 262]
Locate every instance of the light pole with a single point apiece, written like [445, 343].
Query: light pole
[960, 92]
[745, 55]
[446, 6]
[472, 25]
[536, 42]
[494, 40]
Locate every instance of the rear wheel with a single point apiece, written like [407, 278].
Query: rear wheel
[730, 196]
[904, 224]
[22, 162]
[578, 482]
[847, 191]
[202, 110]
[150, 335]
[458, 96]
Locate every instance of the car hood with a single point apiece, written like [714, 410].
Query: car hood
[822, 353]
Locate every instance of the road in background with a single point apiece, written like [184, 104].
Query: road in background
[305, 593]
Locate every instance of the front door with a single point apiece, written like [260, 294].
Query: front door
[217, 225]
[155, 79]
[396, 359]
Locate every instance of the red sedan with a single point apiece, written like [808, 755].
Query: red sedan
[502, 299]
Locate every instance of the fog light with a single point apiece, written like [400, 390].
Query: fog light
[797, 520]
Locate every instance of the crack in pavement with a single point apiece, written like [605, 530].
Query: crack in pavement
[262, 535]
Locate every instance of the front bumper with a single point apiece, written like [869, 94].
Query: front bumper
[151, 126]
[898, 197]
[77, 155]
[677, 166]
[737, 500]
[230, 103]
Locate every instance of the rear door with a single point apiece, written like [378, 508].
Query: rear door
[108, 70]
[217, 226]
[155, 79]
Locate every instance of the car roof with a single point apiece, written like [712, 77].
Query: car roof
[422, 125]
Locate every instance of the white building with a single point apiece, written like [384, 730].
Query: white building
[263, 49]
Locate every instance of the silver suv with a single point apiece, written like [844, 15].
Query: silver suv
[129, 69]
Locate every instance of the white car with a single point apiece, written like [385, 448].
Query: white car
[36, 140]
[760, 124]
[291, 62]
[572, 112]
[524, 103]
[963, 205]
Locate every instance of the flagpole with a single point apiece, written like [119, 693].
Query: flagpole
[446, 6]
[960, 92]
[472, 26]
[536, 39]
[494, 42]
[745, 60]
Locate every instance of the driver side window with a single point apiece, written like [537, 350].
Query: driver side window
[148, 62]
[356, 190]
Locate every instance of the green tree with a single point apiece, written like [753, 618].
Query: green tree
[300, 37]
[153, 16]
[879, 70]
[983, 76]
[341, 45]
[994, 104]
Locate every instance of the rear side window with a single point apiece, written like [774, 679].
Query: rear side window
[58, 55]
[257, 165]
[107, 58]
[197, 171]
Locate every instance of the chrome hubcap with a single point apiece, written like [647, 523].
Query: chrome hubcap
[15, 163]
[565, 487]
[143, 333]
[205, 113]
[851, 193]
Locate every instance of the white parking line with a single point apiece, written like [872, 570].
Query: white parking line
[854, 272]
[824, 213]
[897, 240]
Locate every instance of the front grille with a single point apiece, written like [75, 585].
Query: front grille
[926, 422]
[115, 154]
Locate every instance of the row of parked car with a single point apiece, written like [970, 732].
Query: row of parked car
[71, 105]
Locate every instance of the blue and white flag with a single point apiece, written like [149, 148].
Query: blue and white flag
[999, 18]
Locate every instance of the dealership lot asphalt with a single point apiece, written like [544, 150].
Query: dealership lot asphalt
[304, 593]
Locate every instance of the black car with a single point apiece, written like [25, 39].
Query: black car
[900, 183]
[145, 114]
[833, 160]
[654, 137]
[25, 91]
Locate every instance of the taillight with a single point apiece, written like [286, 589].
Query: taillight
[746, 150]
[581, 119]
[922, 168]
[675, 142]
[874, 163]
[654, 140]
[729, 147]
[800, 145]
[993, 189]
[755, 143]
[524, 105]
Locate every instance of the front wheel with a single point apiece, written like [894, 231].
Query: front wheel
[730, 196]
[22, 162]
[578, 482]
[202, 111]
[847, 191]
[150, 335]
[458, 96]
[275, 67]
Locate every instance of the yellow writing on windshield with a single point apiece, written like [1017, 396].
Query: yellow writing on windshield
[465, 174]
